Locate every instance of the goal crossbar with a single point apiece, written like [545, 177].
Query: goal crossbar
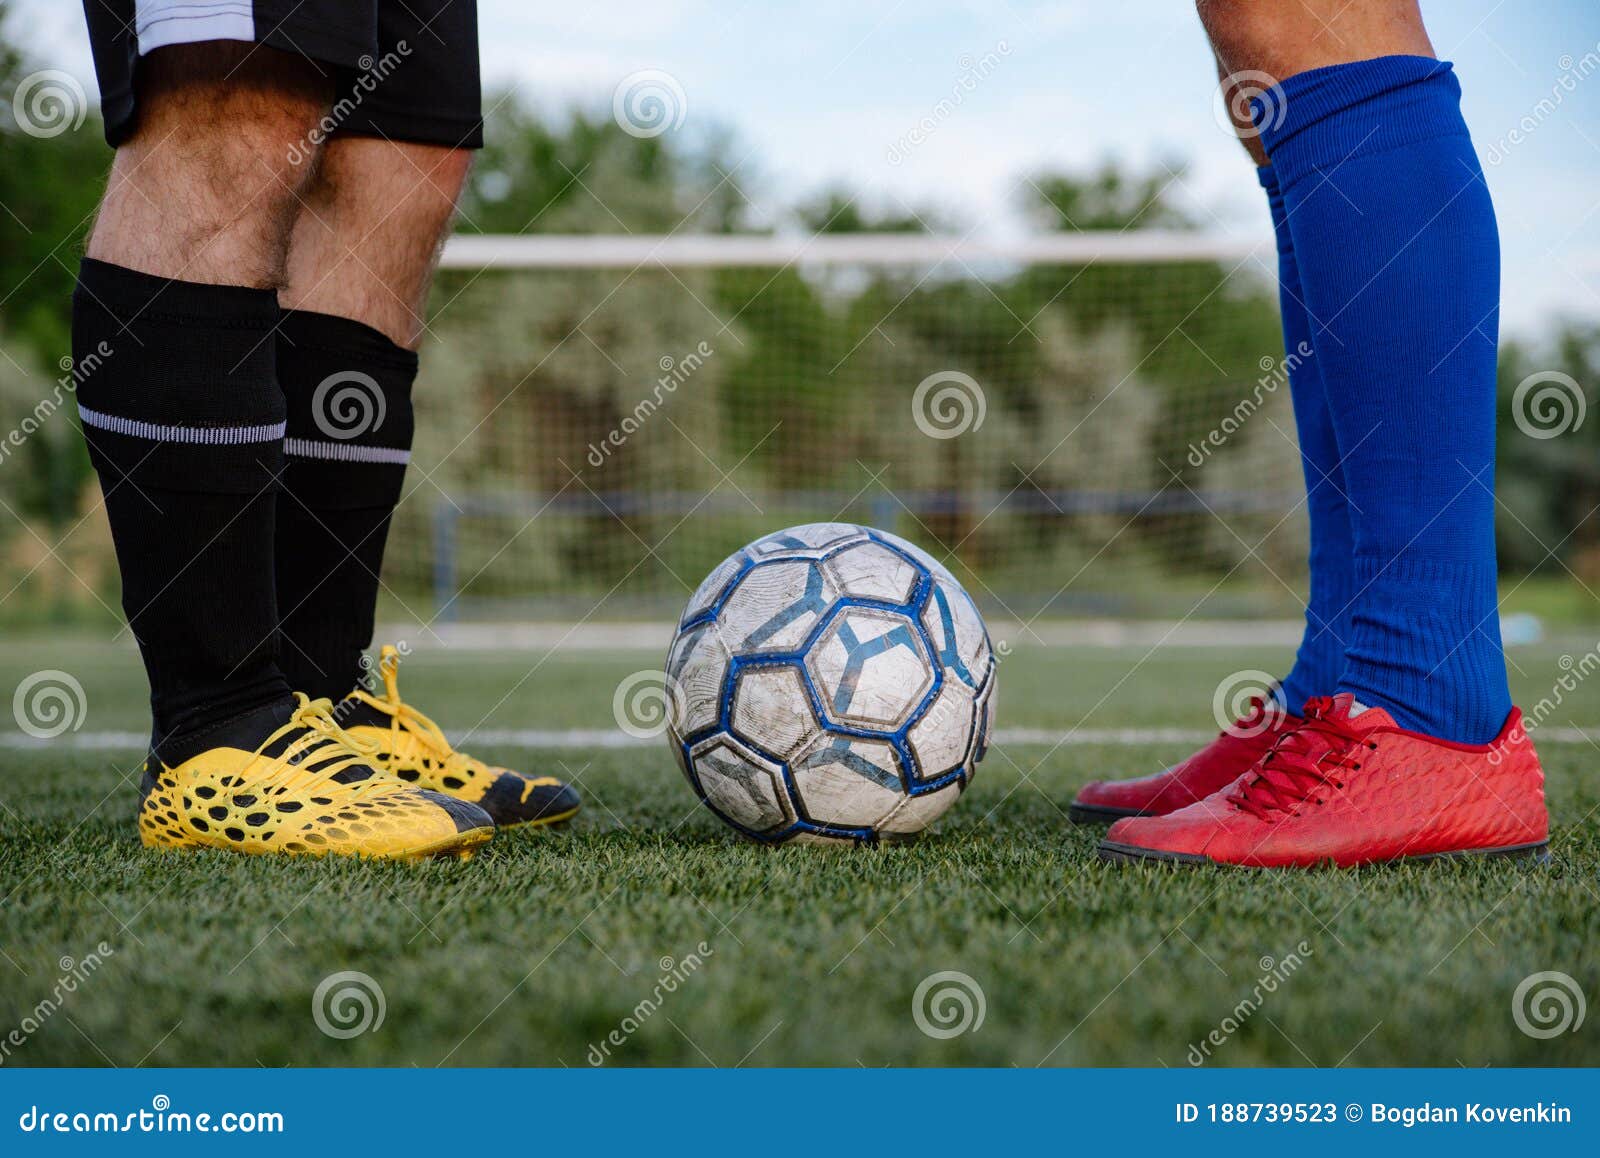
[633, 251]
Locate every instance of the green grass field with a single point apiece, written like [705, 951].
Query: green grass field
[537, 950]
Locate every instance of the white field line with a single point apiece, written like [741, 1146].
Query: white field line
[579, 738]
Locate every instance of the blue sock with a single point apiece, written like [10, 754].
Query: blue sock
[1320, 661]
[1399, 260]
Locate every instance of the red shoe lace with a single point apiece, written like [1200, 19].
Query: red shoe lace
[1303, 761]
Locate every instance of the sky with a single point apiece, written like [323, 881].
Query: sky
[822, 92]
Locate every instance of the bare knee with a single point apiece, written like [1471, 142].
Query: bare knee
[411, 188]
[366, 245]
[208, 186]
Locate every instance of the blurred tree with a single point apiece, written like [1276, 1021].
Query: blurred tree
[1203, 332]
[584, 174]
[1549, 487]
[49, 186]
[52, 164]
[839, 210]
[1108, 198]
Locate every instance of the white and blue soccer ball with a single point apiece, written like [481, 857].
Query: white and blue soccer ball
[832, 683]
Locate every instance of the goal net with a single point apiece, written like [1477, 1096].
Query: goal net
[1076, 423]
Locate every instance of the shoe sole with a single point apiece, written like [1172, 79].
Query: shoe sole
[544, 821]
[1095, 814]
[1116, 852]
[459, 846]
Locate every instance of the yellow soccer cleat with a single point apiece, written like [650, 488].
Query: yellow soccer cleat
[408, 745]
[309, 789]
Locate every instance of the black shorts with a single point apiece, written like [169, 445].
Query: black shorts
[406, 70]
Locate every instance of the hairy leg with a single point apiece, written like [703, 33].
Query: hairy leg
[376, 215]
[179, 401]
[205, 190]
[1282, 40]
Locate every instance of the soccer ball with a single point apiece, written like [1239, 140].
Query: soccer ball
[830, 683]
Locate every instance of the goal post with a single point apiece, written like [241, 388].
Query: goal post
[1073, 422]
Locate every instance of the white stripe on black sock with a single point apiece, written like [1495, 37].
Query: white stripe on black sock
[344, 451]
[159, 432]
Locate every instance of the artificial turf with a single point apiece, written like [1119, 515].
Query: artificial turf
[550, 946]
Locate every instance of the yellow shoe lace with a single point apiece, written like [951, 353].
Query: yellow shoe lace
[319, 736]
[414, 723]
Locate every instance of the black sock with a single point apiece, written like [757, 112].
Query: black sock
[184, 420]
[349, 395]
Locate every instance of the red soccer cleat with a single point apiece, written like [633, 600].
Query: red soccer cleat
[1349, 789]
[1233, 753]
